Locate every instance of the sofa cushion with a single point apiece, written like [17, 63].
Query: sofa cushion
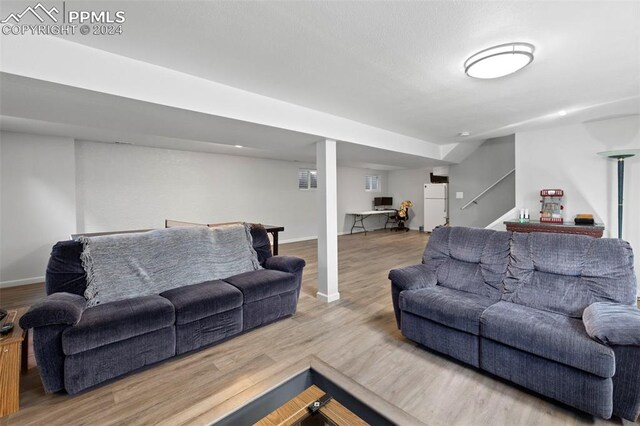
[469, 259]
[64, 270]
[202, 300]
[285, 263]
[57, 308]
[261, 242]
[549, 335]
[89, 368]
[138, 264]
[453, 308]
[263, 283]
[566, 273]
[112, 322]
[612, 323]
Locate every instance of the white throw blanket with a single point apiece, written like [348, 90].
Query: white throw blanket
[131, 265]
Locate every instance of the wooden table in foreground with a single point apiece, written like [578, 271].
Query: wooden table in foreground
[595, 231]
[13, 360]
[296, 412]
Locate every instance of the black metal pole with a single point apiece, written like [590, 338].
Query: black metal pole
[620, 192]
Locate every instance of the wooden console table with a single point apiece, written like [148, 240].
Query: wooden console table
[13, 360]
[595, 231]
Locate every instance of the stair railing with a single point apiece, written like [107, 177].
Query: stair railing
[475, 199]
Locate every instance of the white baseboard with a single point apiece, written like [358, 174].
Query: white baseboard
[315, 237]
[295, 240]
[328, 298]
[25, 281]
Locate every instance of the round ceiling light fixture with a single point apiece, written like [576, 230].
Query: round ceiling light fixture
[498, 61]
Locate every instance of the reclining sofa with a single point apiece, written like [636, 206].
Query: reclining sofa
[77, 347]
[554, 313]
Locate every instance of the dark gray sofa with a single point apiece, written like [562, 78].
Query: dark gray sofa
[77, 347]
[554, 313]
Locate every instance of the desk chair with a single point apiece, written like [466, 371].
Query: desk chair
[400, 221]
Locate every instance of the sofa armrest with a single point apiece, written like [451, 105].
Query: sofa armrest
[285, 263]
[612, 323]
[56, 309]
[413, 277]
[409, 278]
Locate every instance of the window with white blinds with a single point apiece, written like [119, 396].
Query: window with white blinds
[372, 183]
[307, 179]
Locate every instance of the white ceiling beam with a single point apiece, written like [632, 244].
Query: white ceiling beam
[64, 62]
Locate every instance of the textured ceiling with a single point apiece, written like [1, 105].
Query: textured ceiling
[398, 65]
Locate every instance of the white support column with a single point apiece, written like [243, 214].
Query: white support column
[328, 216]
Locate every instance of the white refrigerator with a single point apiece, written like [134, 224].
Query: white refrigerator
[435, 205]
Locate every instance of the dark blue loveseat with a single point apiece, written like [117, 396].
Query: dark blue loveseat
[551, 312]
[77, 347]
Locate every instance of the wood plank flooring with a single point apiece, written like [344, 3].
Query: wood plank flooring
[356, 335]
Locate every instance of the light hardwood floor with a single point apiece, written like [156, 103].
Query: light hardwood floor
[356, 335]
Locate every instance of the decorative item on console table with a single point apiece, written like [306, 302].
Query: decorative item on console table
[584, 219]
[551, 205]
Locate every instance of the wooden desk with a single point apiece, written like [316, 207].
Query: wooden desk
[273, 230]
[13, 360]
[594, 231]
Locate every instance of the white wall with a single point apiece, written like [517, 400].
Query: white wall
[491, 161]
[131, 187]
[38, 203]
[565, 157]
[53, 187]
[408, 185]
[353, 198]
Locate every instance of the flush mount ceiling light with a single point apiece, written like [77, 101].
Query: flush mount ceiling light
[498, 61]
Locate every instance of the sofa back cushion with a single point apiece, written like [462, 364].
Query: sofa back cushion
[565, 273]
[469, 259]
[125, 266]
[65, 272]
[261, 242]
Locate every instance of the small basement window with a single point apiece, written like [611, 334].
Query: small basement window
[307, 179]
[372, 183]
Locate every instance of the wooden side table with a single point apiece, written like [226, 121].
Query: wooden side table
[13, 360]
